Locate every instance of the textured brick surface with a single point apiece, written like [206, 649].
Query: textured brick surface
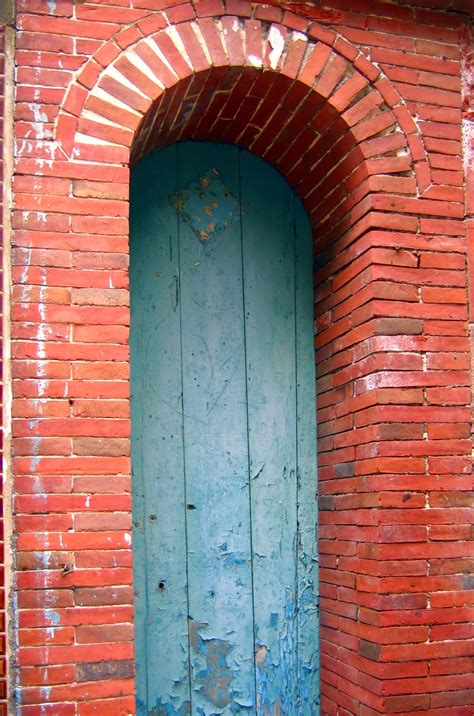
[2, 591]
[362, 111]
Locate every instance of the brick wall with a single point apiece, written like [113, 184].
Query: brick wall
[362, 112]
[2, 591]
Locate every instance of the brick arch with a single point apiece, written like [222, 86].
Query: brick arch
[341, 134]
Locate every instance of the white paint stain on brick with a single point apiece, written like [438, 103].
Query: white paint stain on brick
[467, 85]
[40, 118]
[35, 449]
[277, 43]
[467, 124]
[41, 337]
[46, 693]
[254, 60]
[468, 147]
[15, 616]
[299, 37]
[86, 139]
[51, 147]
[22, 146]
[24, 270]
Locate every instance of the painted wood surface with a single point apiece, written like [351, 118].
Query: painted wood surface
[223, 437]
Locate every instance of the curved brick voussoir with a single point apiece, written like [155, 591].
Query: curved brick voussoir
[309, 103]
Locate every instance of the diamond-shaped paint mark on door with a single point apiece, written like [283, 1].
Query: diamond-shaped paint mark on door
[207, 205]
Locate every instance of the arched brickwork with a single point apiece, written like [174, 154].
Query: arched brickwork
[312, 105]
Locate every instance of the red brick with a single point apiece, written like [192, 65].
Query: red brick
[393, 352]
[314, 64]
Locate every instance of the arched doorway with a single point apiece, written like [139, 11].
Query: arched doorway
[223, 436]
[336, 128]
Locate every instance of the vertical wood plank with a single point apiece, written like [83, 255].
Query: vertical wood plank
[268, 250]
[308, 612]
[159, 534]
[215, 435]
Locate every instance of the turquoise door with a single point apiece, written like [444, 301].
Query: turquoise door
[223, 437]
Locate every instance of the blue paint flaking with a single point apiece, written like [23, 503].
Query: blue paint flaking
[164, 709]
[308, 608]
[230, 558]
[276, 673]
[213, 677]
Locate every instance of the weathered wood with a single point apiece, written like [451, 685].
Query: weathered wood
[269, 288]
[159, 534]
[308, 610]
[215, 438]
[223, 438]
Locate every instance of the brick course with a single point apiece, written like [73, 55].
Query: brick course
[2, 561]
[362, 111]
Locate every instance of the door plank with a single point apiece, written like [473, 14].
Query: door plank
[308, 612]
[268, 249]
[215, 436]
[159, 533]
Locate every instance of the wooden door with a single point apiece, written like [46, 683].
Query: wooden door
[223, 437]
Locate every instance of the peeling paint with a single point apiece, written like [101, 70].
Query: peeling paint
[308, 668]
[214, 676]
[228, 559]
[276, 671]
[162, 709]
[259, 472]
